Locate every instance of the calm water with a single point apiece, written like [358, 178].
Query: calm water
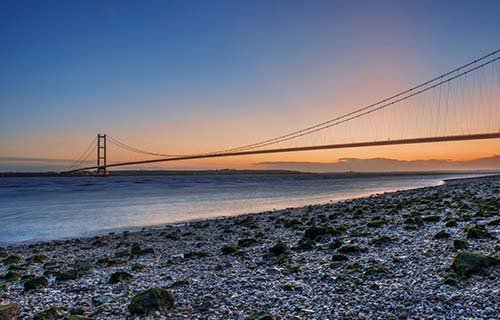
[53, 208]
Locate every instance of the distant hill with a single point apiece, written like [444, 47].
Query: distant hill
[386, 165]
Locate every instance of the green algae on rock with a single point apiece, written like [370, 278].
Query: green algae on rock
[52, 313]
[9, 311]
[155, 299]
[468, 263]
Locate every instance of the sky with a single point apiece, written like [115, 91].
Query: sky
[197, 76]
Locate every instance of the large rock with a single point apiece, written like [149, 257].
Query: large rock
[315, 232]
[35, 283]
[52, 313]
[477, 231]
[468, 263]
[279, 248]
[155, 299]
[66, 275]
[8, 311]
[11, 260]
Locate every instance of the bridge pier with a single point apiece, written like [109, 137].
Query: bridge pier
[101, 155]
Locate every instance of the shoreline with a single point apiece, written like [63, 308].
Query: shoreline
[361, 258]
[153, 226]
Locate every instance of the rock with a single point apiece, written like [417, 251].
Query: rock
[138, 267]
[229, 248]
[120, 276]
[339, 257]
[247, 242]
[460, 244]
[38, 258]
[451, 279]
[135, 249]
[494, 222]
[350, 248]
[315, 233]
[376, 222]
[261, 315]
[11, 260]
[35, 283]
[409, 226]
[174, 235]
[77, 317]
[147, 251]
[381, 240]
[305, 244]
[442, 235]
[83, 266]
[451, 223]
[9, 311]
[431, 218]
[67, 275]
[476, 231]
[155, 299]
[52, 313]
[279, 248]
[12, 276]
[468, 263]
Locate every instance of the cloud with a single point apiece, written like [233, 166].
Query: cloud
[384, 164]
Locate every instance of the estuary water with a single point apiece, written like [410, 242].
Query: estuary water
[35, 209]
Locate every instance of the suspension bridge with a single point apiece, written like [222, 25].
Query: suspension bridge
[459, 105]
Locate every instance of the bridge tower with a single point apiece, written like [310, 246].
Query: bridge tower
[101, 155]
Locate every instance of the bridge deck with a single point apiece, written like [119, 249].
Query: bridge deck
[482, 136]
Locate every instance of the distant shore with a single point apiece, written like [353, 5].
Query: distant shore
[385, 256]
[123, 173]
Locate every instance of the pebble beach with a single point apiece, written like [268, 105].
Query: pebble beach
[427, 253]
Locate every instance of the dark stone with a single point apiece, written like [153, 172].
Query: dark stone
[315, 232]
[67, 275]
[451, 279]
[155, 299]
[246, 242]
[9, 311]
[38, 258]
[305, 244]
[339, 257]
[11, 260]
[53, 313]
[35, 283]
[229, 248]
[477, 231]
[12, 276]
[261, 315]
[451, 223]
[468, 263]
[381, 240]
[120, 276]
[431, 218]
[460, 244]
[350, 248]
[135, 249]
[279, 248]
[77, 317]
[442, 235]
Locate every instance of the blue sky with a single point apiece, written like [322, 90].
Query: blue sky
[73, 68]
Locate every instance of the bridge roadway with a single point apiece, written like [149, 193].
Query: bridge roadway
[480, 136]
